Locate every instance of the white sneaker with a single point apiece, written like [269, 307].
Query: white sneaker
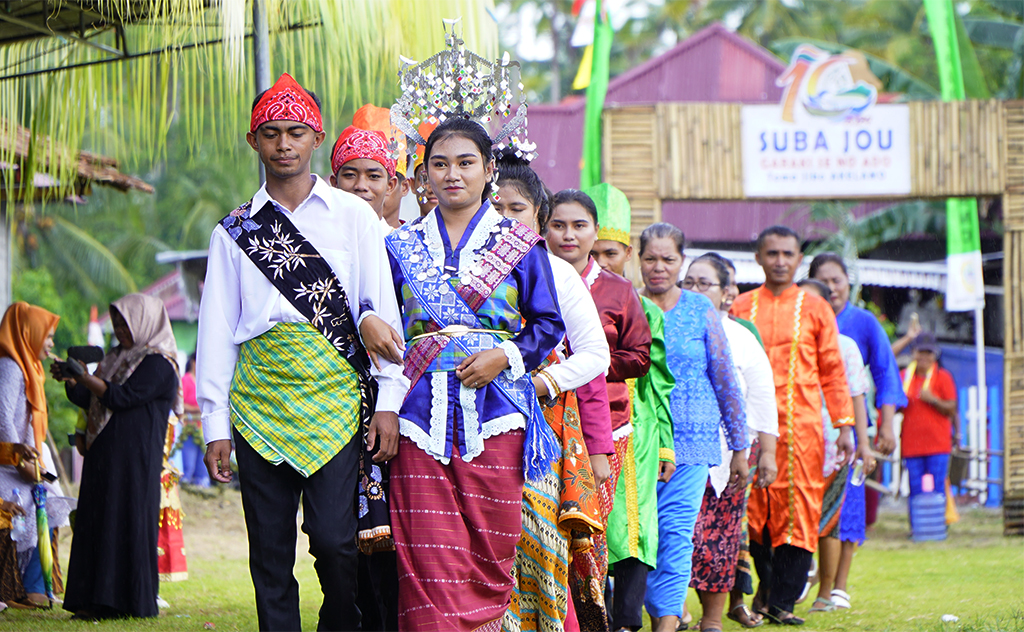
[161, 603]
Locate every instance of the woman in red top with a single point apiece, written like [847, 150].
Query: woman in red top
[929, 420]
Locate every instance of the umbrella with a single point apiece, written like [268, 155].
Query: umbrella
[43, 529]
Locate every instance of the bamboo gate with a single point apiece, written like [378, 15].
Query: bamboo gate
[692, 151]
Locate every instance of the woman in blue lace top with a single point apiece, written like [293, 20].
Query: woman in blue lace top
[707, 395]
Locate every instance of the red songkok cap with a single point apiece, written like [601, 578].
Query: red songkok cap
[286, 100]
[357, 143]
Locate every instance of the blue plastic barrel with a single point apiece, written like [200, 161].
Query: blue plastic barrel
[928, 516]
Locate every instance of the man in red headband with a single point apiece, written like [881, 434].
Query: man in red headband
[372, 117]
[281, 369]
[362, 164]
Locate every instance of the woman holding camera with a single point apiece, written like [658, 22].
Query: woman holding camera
[26, 338]
[113, 568]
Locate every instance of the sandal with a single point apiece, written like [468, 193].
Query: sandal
[746, 617]
[822, 605]
[841, 599]
[781, 617]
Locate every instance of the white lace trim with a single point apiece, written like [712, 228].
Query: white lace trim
[493, 428]
[469, 255]
[503, 424]
[622, 431]
[414, 433]
[515, 369]
[438, 411]
[432, 238]
[432, 442]
[470, 422]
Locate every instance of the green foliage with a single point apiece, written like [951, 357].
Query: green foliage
[888, 326]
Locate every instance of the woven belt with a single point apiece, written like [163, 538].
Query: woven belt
[457, 331]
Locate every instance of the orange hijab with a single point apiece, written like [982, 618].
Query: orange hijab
[23, 330]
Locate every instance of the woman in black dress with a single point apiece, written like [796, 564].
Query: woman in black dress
[113, 567]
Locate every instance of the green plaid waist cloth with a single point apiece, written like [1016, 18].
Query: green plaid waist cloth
[294, 399]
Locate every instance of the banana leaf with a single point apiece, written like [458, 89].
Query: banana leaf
[43, 529]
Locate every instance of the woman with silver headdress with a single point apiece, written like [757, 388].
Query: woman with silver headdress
[479, 313]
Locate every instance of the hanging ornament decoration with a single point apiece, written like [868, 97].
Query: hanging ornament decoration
[458, 82]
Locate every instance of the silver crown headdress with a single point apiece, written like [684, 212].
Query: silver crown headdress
[458, 82]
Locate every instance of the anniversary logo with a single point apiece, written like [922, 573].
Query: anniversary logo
[828, 136]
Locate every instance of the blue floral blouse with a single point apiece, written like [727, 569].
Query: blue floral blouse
[707, 391]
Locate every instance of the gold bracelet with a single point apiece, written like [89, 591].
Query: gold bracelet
[550, 381]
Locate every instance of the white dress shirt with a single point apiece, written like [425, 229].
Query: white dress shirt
[590, 355]
[239, 303]
[758, 384]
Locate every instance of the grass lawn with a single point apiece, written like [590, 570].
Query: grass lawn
[895, 584]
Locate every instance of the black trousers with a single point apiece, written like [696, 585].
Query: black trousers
[270, 500]
[378, 591]
[782, 571]
[630, 589]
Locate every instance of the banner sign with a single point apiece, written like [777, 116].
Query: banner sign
[828, 137]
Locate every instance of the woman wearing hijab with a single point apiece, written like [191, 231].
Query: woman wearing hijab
[113, 567]
[26, 337]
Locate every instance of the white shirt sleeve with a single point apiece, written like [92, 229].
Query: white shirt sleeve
[216, 351]
[590, 355]
[762, 407]
[755, 371]
[377, 293]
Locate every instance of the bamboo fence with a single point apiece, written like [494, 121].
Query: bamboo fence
[1013, 352]
[694, 151]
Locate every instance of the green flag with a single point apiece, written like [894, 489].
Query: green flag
[965, 285]
[590, 165]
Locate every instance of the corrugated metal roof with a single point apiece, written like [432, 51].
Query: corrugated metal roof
[872, 272]
[740, 222]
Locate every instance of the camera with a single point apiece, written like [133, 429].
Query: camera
[85, 355]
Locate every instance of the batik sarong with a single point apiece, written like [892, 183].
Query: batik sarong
[719, 535]
[744, 562]
[832, 503]
[716, 540]
[589, 568]
[457, 573]
[316, 391]
[565, 501]
[171, 562]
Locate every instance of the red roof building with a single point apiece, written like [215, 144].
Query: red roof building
[713, 65]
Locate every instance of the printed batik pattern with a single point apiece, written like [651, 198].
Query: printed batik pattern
[707, 391]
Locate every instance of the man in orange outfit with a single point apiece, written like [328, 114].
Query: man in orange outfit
[802, 340]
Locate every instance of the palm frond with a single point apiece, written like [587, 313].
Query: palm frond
[91, 264]
[345, 50]
[989, 32]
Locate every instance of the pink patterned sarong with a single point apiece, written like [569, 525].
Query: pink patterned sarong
[456, 527]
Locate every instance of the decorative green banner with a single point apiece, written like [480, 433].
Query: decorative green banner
[590, 167]
[965, 285]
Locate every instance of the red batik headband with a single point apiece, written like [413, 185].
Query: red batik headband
[357, 143]
[286, 101]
